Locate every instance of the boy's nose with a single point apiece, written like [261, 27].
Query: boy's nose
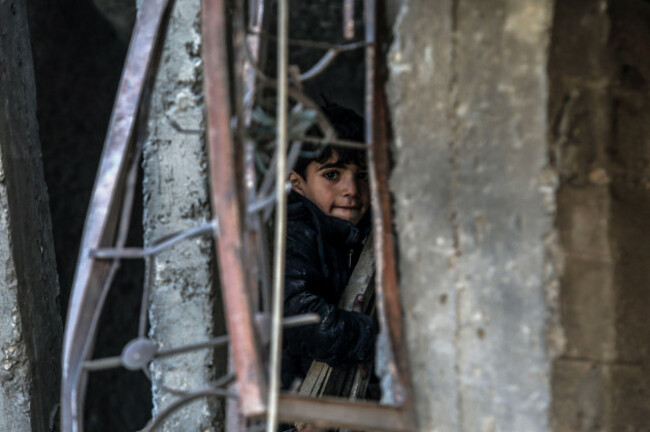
[351, 189]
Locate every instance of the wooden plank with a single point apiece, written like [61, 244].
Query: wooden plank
[331, 412]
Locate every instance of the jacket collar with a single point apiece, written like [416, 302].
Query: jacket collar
[337, 231]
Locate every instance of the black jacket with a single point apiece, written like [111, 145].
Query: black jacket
[320, 256]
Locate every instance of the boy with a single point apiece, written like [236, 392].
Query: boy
[328, 220]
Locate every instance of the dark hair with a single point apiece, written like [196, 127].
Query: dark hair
[348, 126]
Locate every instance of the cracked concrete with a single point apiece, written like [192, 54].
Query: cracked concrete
[30, 324]
[469, 185]
[185, 304]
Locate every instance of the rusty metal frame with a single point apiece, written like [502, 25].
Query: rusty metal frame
[93, 276]
[228, 201]
[107, 224]
[387, 285]
[358, 415]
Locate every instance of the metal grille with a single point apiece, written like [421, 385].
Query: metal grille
[248, 187]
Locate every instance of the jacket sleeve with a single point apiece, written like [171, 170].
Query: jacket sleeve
[342, 336]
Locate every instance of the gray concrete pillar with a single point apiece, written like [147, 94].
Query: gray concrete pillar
[475, 206]
[184, 300]
[30, 323]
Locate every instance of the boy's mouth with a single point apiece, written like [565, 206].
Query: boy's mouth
[348, 213]
[351, 208]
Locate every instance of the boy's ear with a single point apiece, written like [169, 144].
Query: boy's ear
[297, 182]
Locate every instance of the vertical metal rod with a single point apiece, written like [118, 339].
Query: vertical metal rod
[348, 19]
[226, 203]
[386, 284]
[280, 218]
[92, 276]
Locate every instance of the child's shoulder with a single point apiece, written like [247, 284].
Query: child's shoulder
[301, 231]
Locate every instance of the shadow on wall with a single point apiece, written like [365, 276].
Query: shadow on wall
[78, 61]
[599, 103]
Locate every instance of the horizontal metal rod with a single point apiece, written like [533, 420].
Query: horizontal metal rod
[342, 413]
[266, 202]
[103, 363]
[261, 204]
[112, 362]
[300, 320]
[220, 340]
[159, 246]
[171, 408]
[314, 44]
[220, 382]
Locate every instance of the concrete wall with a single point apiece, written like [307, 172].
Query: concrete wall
[475, 206]
[599, 110]
[184, 302]
[509, 157]
[30, 324]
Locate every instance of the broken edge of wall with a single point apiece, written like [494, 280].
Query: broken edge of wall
[30, 322]
[475, 208]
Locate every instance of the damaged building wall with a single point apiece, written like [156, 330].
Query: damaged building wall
[600, 133]
[512, 327]
[475, 206]
[30, 324]
[487, 123]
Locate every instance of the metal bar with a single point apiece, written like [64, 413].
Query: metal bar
[305, 43]
[100, 227]
[227, 206]
[245, 90]
[159, 246]
[280, 218]
[218, 341]
[325, 413]
[103, 363]
[174, 406]
[318, 67]
[144, 302]
[300, 320]
[348, 19]
[388, 300]
[252, 41]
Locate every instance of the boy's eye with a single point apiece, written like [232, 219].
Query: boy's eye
[331, 175]
[362, 175]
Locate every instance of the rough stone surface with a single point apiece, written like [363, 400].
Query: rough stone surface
[30, 324]
[15, 379]
[474, 204]
[599, 133]
[184, 301]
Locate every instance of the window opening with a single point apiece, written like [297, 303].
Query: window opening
[241, 188]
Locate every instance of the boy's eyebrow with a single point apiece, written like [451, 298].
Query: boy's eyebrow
[337, 164]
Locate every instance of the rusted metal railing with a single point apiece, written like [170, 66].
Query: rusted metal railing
[93, 276]
[242, 202]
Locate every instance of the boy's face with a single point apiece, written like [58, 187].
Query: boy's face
[339, 190]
